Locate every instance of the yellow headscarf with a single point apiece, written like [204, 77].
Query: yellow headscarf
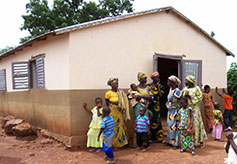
[141, 75]
[112, 80]
[191, 79]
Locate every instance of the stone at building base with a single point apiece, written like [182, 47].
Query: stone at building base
[5, 119]
[8, 127]
[24, 129]
[68, 141]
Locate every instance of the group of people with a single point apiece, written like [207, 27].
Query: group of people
[184, 120]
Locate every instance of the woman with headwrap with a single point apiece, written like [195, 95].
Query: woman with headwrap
[173, 106]
[154, 108]
[117, 101]
[144, 95]
[142, 87]
[195, 96]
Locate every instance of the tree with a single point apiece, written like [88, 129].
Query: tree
[7, 48]
[232, 83]
[41, 18]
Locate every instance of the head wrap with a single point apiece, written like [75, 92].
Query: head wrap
[191, 79]
[175, 79]
[154, 74]
[112, 80]
[141, 75]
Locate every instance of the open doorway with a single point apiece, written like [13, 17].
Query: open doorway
[166, 66]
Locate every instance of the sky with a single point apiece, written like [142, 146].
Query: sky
[211, 15]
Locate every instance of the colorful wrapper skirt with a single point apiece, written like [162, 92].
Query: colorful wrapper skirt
[187, 141]
[120, 130]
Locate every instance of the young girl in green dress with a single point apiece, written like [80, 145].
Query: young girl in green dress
[94, 126]
[187, 141]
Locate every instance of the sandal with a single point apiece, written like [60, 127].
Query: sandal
[110, 162]
[92, 150]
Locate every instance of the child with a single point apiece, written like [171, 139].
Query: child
[187, 141]
[218, 122]
[142, 128]
[94, 126]
[132, 93]
[231, 148]
[107, 127]
[228, 108]
[208, 107]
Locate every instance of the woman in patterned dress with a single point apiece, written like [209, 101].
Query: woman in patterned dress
[117, 101]
[142, 87]
[173, 106]
[195, 96]
[154, 108]
[208, 107]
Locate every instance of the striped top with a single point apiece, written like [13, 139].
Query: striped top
[142, 123]
[107, 124]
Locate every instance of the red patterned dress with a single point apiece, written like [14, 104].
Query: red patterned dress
[208, 109]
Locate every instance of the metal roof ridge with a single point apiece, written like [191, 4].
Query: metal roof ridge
[111, 18]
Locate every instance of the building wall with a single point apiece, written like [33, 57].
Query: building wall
[48, 108]
[123, 48]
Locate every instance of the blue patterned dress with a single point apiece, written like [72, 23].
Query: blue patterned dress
[173, 106]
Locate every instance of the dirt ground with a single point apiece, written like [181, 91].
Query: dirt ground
[32, 150]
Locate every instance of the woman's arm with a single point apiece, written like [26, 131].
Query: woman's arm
[138, 97]
[107, 102]
[198, 96]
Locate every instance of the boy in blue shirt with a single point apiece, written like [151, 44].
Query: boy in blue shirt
[107, 128]
[142, 128]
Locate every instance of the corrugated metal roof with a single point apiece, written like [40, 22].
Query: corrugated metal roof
[112, 19]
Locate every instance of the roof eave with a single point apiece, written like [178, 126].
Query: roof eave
[112, 19]
[25, 44]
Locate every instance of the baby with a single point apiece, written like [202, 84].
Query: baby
[132, 93]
